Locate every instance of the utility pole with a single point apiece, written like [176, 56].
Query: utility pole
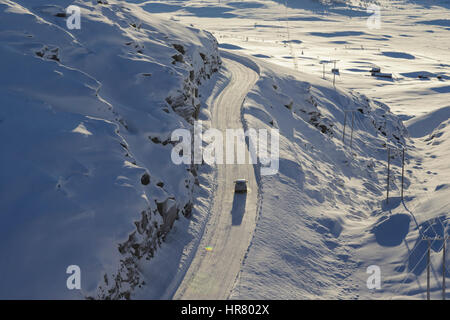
[428, 269]
[429, 239]
[353, 124]
[345, 123]
[388, 173]
[323, 62]
[403, 169]
[334, 71]
[289, 43]
[443, 270]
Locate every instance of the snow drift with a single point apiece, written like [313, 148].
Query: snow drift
[86, 117]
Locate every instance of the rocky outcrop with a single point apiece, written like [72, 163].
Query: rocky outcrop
[155, 225]
[200, 67]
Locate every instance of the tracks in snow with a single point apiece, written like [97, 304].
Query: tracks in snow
[230, 228]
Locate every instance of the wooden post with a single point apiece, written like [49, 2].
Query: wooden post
[351, 135]
[443, 269]
[428, 269]
[403, 170]
[388, 174]
[428, 239]
[345, 123]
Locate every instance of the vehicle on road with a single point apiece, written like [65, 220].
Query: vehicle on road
[240, 186]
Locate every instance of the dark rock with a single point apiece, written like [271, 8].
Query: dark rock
[289, 106]
[155, 139]
[145, 179]
[178, 58]
[179, 48]
[187, 210]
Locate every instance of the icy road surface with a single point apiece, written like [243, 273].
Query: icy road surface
[230, 228]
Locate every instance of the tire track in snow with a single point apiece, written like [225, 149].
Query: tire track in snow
[230, 228]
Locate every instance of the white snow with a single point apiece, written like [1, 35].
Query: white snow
[323, 220]
[82, 130]
[414, 39]
[86, 117]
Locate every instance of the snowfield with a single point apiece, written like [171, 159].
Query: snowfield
[322, 219]
[87, 115]
[86, 176]
[326, 192]
[412, 42]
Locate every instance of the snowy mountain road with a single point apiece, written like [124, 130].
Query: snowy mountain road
[230, 228]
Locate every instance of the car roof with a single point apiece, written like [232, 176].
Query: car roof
[240, 180]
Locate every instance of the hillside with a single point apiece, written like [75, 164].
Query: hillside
[86, 118]
[87, 178]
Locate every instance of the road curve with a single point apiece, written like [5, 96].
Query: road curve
[230, 228]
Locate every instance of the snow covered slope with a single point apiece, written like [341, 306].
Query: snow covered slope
[86, 116]
[412, 42]
[325, 191]
[324, 218]
[323, 221]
